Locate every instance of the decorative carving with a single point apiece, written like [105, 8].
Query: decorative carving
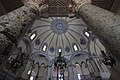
[58, 7]
[59, 26]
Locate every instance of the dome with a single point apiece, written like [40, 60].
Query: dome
[60, 34]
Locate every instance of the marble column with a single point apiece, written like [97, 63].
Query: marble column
[105, 25]
[14, 24]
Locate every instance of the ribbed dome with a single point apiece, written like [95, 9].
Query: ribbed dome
[60, 34]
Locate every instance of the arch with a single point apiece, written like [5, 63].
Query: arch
[79, 60]
[81, 56]
[90, 67]
[33, 35]
[79, 53]
[85, 70]
[28, 45]
[39, 53]
[42, 71]
[41, 59]
[79, 71]
[38, 66]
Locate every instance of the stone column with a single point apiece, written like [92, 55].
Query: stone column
[75, 72]
[71, 73]
[45, 72]
[49, 70]
[105, 25]
[15, 23]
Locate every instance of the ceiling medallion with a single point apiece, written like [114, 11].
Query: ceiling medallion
[59, 26]
[37, 42]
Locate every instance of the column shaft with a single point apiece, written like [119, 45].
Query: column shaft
[15, 24]
[105, 25]
[71, 73]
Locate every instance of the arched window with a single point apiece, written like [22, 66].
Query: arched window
[60, 77]
[75, 47]
[79, 72]
[86, 33]
[33, 35]
[32, 78]
[85, 70]
[44, 48]
[42, 72]
[32, 74]
[59, 49]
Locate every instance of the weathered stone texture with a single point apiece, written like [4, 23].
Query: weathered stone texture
[13, 24]
[4, 41]
[105, 25]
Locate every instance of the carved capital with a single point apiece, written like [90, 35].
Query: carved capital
[75, 6]
[39, 5]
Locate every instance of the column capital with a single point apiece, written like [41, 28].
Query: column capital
[75, 6]
[37, 4]
[79, 3]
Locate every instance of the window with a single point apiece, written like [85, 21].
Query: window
[79, 77]
[79, 72]
[44, 47]
[31, 77]
[33, 35]
[29, 72]
[32, 74]
[87, 34]
[75, 47]
[59, 50]
[60, 77]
